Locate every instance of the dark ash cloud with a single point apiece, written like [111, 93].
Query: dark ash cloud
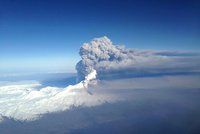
[108, 59]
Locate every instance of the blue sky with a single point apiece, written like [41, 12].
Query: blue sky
[45, 35]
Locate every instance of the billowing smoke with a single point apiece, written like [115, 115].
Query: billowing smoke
[103, 56]
[111, 60]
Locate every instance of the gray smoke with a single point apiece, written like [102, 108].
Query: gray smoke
[114, 60]
[103, 56]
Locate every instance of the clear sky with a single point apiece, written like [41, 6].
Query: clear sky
[45, 35]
